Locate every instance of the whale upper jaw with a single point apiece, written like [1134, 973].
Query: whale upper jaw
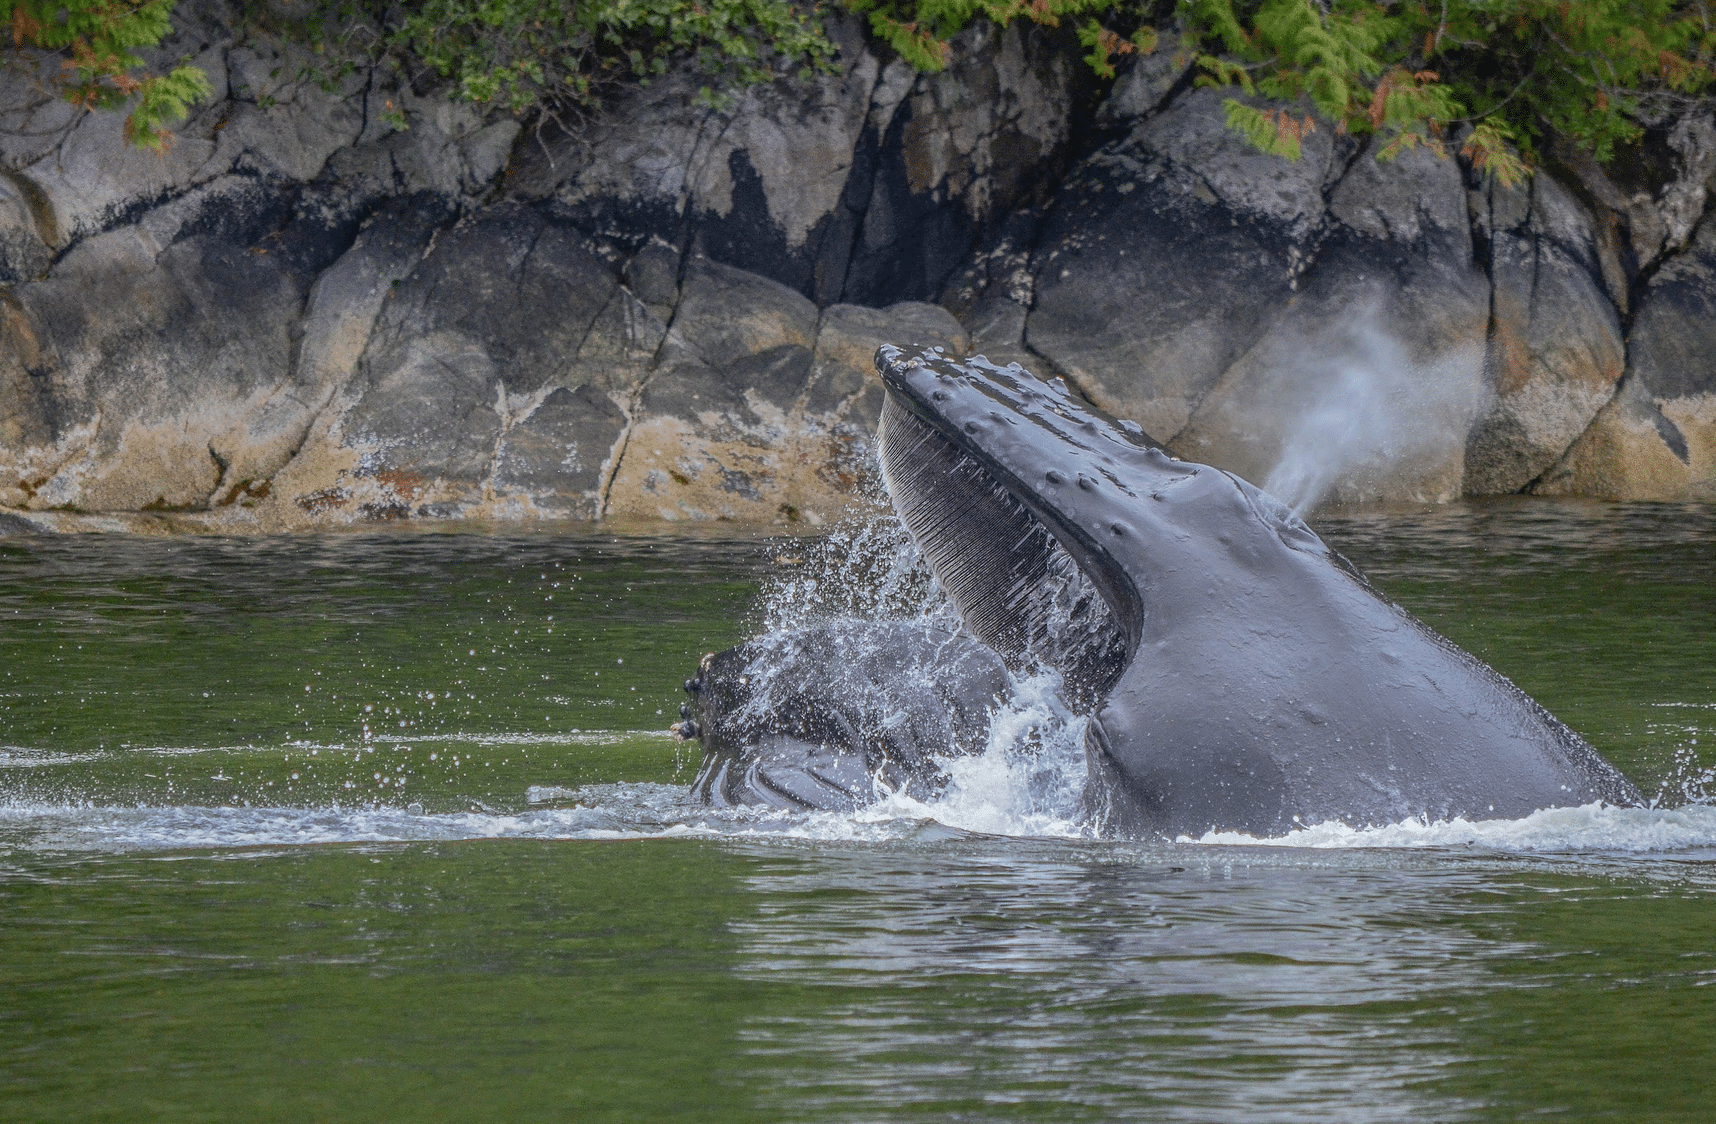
[974, 453]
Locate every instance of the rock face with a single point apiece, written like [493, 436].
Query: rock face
[1555, 349]
[303, 315]
[108, 409]
[1656, 439]
[868, 186]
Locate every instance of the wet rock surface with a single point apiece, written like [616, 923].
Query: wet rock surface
[1365, 383]
[1555, 349]
[303, 315]
[1168, 254]
[1656, 439]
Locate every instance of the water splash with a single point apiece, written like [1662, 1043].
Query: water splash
[1689, 779]
[1028, 778]
[859, 571]
[1028, 781]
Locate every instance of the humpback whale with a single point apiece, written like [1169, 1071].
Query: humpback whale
[1237, 673]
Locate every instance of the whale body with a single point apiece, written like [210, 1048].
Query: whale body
[1237, 673]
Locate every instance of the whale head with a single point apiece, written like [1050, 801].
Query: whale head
[1238, 673]
[1058, 530]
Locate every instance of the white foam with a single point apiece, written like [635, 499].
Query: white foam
[576, 737]
[93, 827]
[996, 795]
[1590, 827]
[1028, 781]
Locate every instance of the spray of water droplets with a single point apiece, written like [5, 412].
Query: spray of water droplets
[860, 571]
[1028, 778]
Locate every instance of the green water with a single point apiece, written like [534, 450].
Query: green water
[454, 665]
[229, 891]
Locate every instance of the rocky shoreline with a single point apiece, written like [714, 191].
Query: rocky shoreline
[303, 316]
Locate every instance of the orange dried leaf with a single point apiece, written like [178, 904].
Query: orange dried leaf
[25, 27]
[1288, 132]
[1378, 111]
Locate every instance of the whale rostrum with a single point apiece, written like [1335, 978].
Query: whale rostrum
[1237, 673]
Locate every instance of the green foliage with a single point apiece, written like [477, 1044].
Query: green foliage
[919, 30]
[1491, 149]
[1273, 131]
[1517, 72]
[522, 54]
[101, 69]
[161, 99]
[1507, 75]
[1585, 70]
[1104, 44]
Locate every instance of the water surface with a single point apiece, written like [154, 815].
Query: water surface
[388, 827]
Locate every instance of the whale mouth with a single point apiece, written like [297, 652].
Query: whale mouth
[1015, 586]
